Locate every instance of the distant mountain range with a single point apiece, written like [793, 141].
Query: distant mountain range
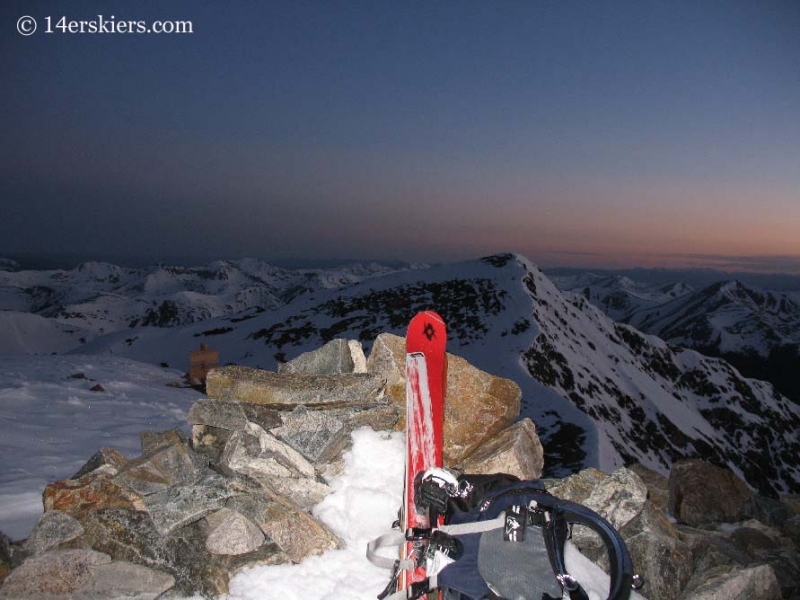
[601, 392]
[758, 331]
[59, 310]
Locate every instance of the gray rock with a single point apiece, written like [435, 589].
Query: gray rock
[177, 506]
[515, 450]
[230, 532]
[753, 583]
[275, 464]
[131, 536]
[619, 498]
[5, 557]
[153, 440]
[358, 357]
[311, 432]
[163, 467]
[106, 460]
[772, 512]
[123, 580]
[792, 501]
[232, 415]
[387, 360]
[577, 487]
[333, 358]
[664, 562]
[210, 441]
[712, 549]
[295, 531]
[53, 528]
[704, 495]
[657, 485]
[792, 529]
[285, 391]
[322, 436]
[52, 575]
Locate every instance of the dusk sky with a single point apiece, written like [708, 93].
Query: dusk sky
[605, 134]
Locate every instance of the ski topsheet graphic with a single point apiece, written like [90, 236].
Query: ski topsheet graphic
[426, 379]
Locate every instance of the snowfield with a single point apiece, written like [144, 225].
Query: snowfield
[52, 422]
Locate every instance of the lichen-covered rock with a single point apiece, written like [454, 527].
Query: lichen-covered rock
[105, 461]
[275, 464]
[704, 495]
[664, 562]
[285, 391]
[322, 436]
[153, 440]
[577, 487]
[123, 580]
[166, 464]
[56, 574]
[177, 506]
[232, 415]
[753, 583]
[516, 450]
[132, 536]
[77, 497]
[210, 441]
[231, 533]
[333, 358]
[294, 530]
[53, 528]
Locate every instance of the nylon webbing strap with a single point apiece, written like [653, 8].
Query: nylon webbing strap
[393, 539]
[475, 526]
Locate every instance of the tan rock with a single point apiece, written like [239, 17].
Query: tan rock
[477, 405]
[296, 532]
[516, 450]
[657, 485]
[286, 391]
[54, 574]
[704, 495]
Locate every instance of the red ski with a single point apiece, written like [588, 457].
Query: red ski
[426, 380]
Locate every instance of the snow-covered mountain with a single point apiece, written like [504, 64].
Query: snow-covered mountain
[601, 392]
[756, 330]
[619, 296]
[51, 311]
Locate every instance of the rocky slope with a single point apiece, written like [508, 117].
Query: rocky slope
[756, 330]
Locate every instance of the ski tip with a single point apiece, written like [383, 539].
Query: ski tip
[426, 328]
[428, 314]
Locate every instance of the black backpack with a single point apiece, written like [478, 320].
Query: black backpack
[504, 539]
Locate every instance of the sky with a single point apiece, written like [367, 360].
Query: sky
[601, 134]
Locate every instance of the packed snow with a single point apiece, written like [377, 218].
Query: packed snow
[364, 502]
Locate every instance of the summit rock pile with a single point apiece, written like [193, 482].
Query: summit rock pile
[193, 510]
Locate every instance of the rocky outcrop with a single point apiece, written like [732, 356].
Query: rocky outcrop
[478, 405]
[189, 513]
[515, 450]
[701, 493]
[286, 391]
[84, 574]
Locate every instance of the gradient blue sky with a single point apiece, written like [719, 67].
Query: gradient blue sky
[577, 133]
